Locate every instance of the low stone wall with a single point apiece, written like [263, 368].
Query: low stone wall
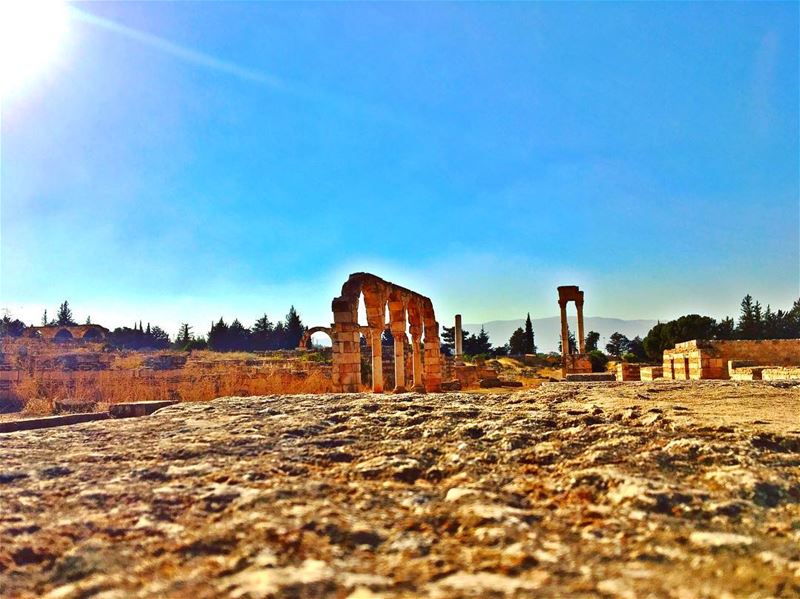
[781, 374]
[651, 373]
[701, 359]
[628, 372]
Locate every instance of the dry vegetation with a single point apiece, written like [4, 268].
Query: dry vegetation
[39, 393]
[39, 380]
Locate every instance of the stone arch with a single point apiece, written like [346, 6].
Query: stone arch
[405, 306]
[307, 335]
[93, 335]
[63, 335]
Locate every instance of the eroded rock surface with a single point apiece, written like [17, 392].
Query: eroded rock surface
[581, 490]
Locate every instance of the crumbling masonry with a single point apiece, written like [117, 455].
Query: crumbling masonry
[408, 310]
[572, 363]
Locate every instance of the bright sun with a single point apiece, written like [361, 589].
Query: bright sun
[31, 36]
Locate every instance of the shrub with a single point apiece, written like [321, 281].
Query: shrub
[598, 360]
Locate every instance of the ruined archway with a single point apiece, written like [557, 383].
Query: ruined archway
[406, 309]
[306, 338]
[63, 335]
[93, 335]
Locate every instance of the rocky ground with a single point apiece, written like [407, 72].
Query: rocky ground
[629, 490]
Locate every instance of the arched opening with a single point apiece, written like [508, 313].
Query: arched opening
[63, 335]
[321, 339]
[93, 335]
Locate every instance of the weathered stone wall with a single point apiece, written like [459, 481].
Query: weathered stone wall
[651, 373]
[408, 311]
[628, 372]
[701, 359]
[780, 374]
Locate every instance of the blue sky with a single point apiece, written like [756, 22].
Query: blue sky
[183, 161]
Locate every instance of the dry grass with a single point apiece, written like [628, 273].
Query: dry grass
[39, 391]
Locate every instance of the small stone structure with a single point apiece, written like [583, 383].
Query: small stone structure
[85, 332]
[407, 310]
[572, 363]
[457, 338]
[702, 359]
[651, 373]
[628, 372]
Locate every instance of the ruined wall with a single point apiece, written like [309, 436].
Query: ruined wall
[409, 313]
[700, 359]
[651, 373]
[628, 372]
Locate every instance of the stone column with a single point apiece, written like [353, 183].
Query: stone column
[581, 339]
[377, 361]
[457, 336]
[433, 360]
[399, 335]
[399, 362]
[564, 330]
[346, 368]
[416, 338]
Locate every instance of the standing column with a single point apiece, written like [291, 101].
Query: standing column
[564, 331]
[399, 361]
[581, 339]
[377, 361]
[457, 337]
[417, 354]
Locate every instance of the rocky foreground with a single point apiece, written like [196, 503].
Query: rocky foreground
[630, 490]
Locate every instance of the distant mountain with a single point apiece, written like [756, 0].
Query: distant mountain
[548, 330]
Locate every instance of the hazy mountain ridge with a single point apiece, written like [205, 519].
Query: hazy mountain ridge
[548, 330]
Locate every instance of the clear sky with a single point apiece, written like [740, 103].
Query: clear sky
[185, 161]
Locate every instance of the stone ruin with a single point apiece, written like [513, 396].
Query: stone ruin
[408, 310]
[572, 363]
[84, 332]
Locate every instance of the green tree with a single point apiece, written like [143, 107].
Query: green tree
[238, 336]
[263, 330]
[530, 346]
[11, 327]
[218, 336]
[635, 348]
[158, 337]
[591, 341]
[294, 329]
[184, 337]
[64, 316]
[477, 344]
[573, 346]
[517, 343]
[448, 337]
[617, 344]
[749, 325]
[598, 360]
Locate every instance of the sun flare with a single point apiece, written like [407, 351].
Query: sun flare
[31, 37]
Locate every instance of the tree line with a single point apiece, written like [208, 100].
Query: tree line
[263, 335]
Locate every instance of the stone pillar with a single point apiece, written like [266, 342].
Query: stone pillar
[399, 335]
[417, 354]
[564, 330]
[433, 360]
[399, 362]
[377, 361]
[346, 369]
[581, 339]
[457, 337]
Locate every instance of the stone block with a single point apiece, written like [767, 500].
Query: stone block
[583, 377]
[137, 408]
